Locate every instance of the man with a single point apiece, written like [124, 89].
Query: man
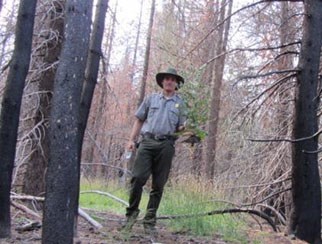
[157, 119]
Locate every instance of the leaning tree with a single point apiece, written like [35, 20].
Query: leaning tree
[10, 107]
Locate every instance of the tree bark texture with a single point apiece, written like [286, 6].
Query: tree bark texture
[62, 174]
[305, 220]
[34, 177]
[10, 107]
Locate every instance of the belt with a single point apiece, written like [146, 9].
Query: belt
[159, 137]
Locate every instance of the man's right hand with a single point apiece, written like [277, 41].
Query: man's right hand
[131, 146]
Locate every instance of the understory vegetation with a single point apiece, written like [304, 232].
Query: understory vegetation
[182, 203]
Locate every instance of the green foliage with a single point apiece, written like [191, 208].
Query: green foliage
[183, 201]
[196, 96]
[186, 198]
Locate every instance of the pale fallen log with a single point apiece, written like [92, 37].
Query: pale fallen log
[25, 209]
[26, 197]
[81, 212]
[92, 221]
[108, 195]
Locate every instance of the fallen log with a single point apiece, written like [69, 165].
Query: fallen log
[108, 195]
[25, 209]
[28, 211]
[224, 211]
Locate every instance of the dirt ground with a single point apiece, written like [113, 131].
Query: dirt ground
[110, 233]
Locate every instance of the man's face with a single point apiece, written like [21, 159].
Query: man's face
[169, 83]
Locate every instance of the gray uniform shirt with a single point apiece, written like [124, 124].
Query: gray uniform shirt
[161, 115]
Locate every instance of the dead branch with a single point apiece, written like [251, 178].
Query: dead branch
[92, 221]
[25, 209]
[219, 24]
[252, 50]
[267, 48]
[29, 227]
[108, 195]
[281, 218]
[288, 140]
[25, 197]
[266, 198]
[271, 87]
[81, 212]
[224, 211]
[267, 74]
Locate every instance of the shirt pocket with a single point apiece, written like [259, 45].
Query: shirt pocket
[152, 111]
[174, 116]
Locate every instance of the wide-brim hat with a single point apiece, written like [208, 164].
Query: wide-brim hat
[160, 76]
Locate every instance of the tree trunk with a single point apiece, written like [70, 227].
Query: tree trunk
[97, 124]
[62, 174]
[91, 74]
[137, 38]
[305, 220]
[216, 90]
[10, 107]
[34, 177]
[147, 55]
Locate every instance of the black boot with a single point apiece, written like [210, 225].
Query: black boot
[149, 223]
[130, 220]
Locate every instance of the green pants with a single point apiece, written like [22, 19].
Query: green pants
[153, 158]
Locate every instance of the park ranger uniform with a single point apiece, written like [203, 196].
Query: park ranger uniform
[162, 116]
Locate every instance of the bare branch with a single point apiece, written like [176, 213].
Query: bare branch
[81, 212]
[276, 84]
[275, 72]
[288, 140]
[221, 23]
[25, 209]
[277, 214]
[92, 221]
[224, 211]
[108, 195]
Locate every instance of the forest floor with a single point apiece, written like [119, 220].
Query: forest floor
[110, 233]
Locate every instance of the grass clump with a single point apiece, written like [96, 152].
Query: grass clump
[186, 197]
[192, 198]
[102, 202]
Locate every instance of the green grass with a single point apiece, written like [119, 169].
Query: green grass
[188, 197]
[194, 199]
[100, 202]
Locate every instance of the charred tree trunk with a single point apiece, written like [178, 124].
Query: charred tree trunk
[305, 220]
[62, 174]
[10, 107]
[91, 74]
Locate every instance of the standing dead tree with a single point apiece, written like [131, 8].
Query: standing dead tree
[62, 177]
[10, 107]
[305, 220]
[50, 20]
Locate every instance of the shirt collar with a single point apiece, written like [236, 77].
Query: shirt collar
[174, 97]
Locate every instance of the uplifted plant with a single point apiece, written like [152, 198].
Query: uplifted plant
[196, 98]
